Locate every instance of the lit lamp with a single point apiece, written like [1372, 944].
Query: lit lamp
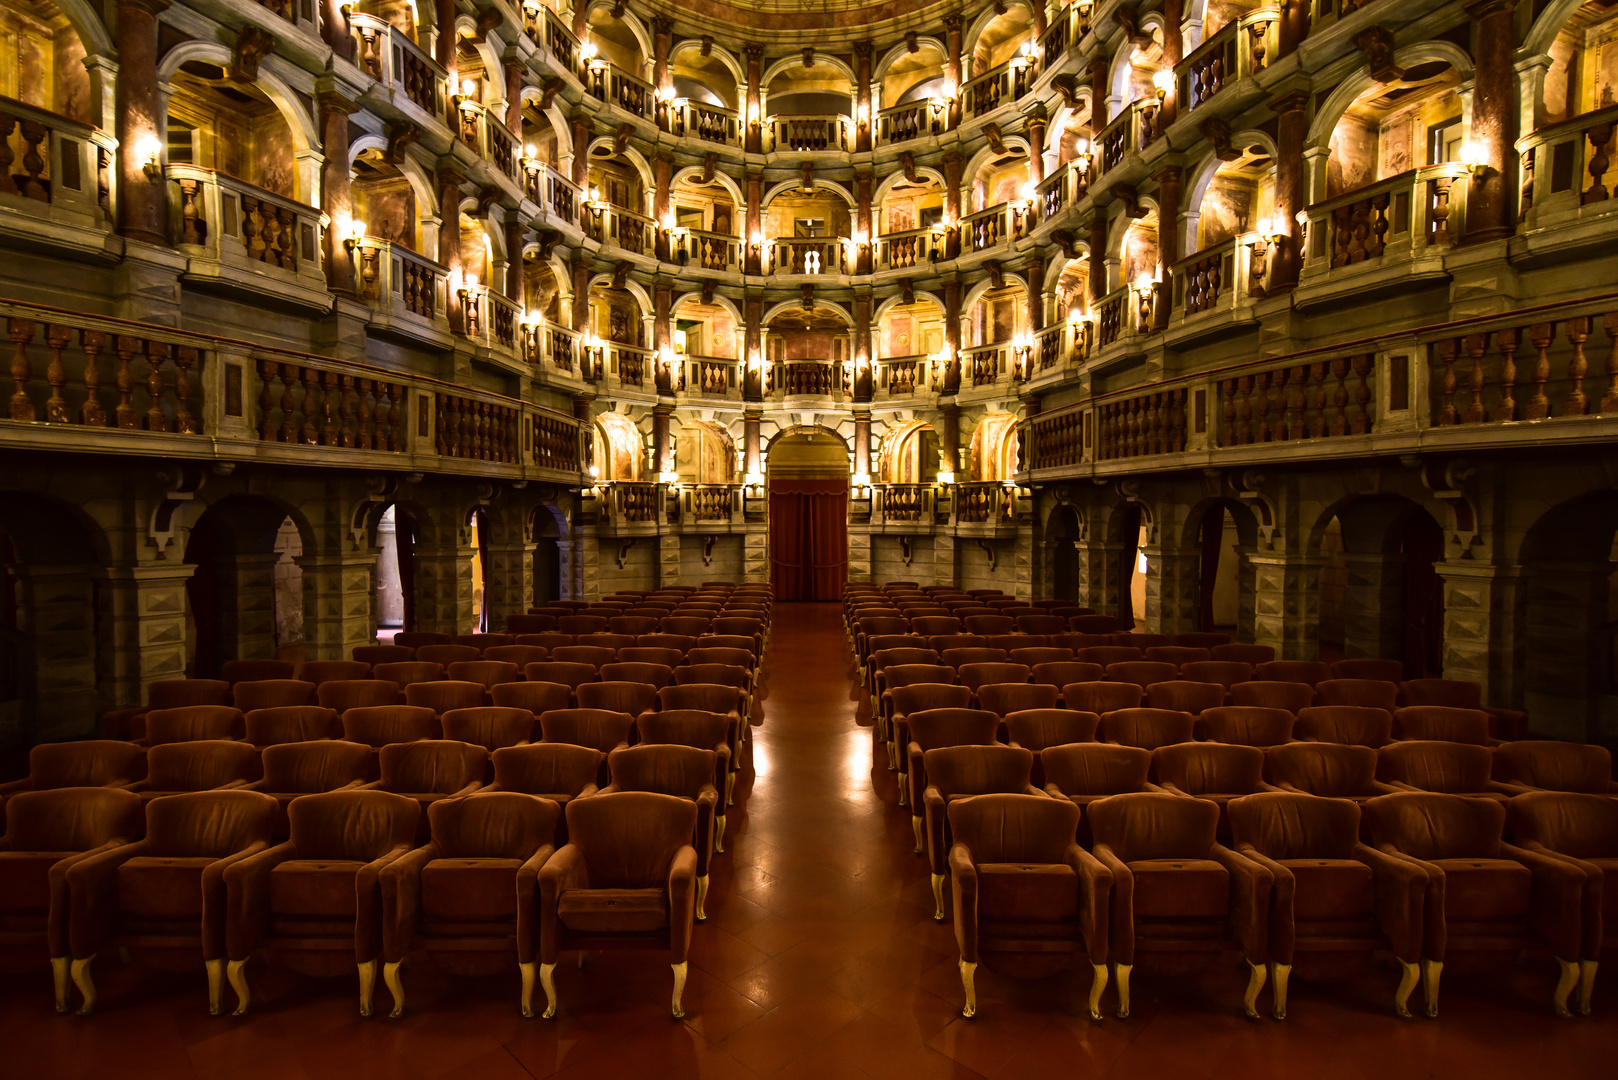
[1083, 155]
[1146, 294]
[1270, 231]
[591, 361]
[532, 166]
[533, 331]
[667, 477]
[466, 286]
[945, 478]
[1472, 156]
[1085, 7]
[1163, 82]
[356, 233]
[862, 114]
[149, 153]
[1022, 354]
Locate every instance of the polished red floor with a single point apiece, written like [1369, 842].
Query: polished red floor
[820, 960]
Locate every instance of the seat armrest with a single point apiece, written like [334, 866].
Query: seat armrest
[14, 786]
[1249, 902]
[247, 896]
[368, 903]
[92, 886]
[527, 888]
[1095, 894]
[1400, 887]
[562, 871]
[1121, 920]
[1557, 899]
[964, 889]
[682, 903]
[401, 900]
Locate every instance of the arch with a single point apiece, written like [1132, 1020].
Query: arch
[557, 119]
[48, 531]
[787, 63]
[786, 305]
[1349, 90]
[974, 31]
[894, 460]
[710, 452]
[977, 291]
[719, 177]
[894, 179]
[718, 300]
[272, 80]
[786, 186]
[992, 453]
[898, 300]
[716, 52]
[900, 50]
[633, 156]
[1224, 575]
[642, 298]
[975, 163]
[489, 48]
[1545, 28]
[88, 24]
[623, 447]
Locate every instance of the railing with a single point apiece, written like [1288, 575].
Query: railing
[560, 347]
[493, 320]
[1118, 139]
[560, 41]
[1117, 317]
[49, 159]
[1566, 169]
[808, 134]
[976, 503]
[117, 383]
[917, 247]
[631, 363]
[399, 64]
[1302, 401]
[1150, 423]
[1552, 379]
[712, 502]
[488, 137]
[903, 375]
[986, 228]
[710, 376]
[798, 378]
[1006, 82]
[635, 502]
[1241, 48]
[711, 123]
[708, 250]
[231, 221]
[1063, 343]
[1220, 278]
[1053, 192]
[396, 280]
[623, 229]
[818, 256]
[632, 94]
[1053, 44]
[912, 120]
[560, 197]
[1401, 215]
[984, 363]
[905, 502]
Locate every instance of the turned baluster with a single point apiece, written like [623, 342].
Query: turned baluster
[1362, 395]
[1507, 409]
[33, 162]
[22, 369]
[1578, 332]
[156, 353]
[309, 433]
[1317, 408]
[1339, 420]
[1295, 399]
[58, 338]
[1244, 410]
[441, 425]
[485, 440]
[1282, 406]
[289, 403]
[396, 431]
[345, 435]
[1600, 137]
[1476, 346]
[330, 431]
[184, 357]
[1152, 404]
[1379, 225]
[1226, 434]
[1179, 399]
[1609, 401]
[1446, 410]
[1539, 406]
[8, 124]
[266, 398]
[93, 342]
[364, 407]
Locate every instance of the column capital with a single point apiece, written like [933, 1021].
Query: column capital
[1482, 9]
[1290, 102]
[332, 101]
[755, 52]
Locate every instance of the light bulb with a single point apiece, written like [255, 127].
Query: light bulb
[468, 88]
[1163, 80]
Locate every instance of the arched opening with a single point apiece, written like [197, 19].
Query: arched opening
[997, 320]
[399, 14]
[1380, 595]
[245, 598]
[615, 315]
[1222, 532]
[1002, 38]
[394, 539]
[542, 293]
[620, 449]
[907, 336]
[1139, 261]
[809, 108]
[1073, 137]
[385, 201]
[540, 141]
[706, 80]
[908, 455]
[707, 455]
[1073, 287]
[44, 61]
[547, 558]
[705, 339]
[616, 42]
[910, 222]
[807, 474]
[1580, 78]
[616, 181]
[477, 254]
[914, 77]
[807, 231]
[1240, 195]
[1397, 126]
[1063, 533]
[1000, 180]
[705, 218]
[478, 530]
[807, 351]
[993, 454]
[232, 128]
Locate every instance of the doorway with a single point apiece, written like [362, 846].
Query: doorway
[808, 486]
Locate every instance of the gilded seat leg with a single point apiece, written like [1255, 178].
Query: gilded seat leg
[1564, 986]
[719, 832]
[527, 971]
[904, 788]
[216, 985]
[80, 970]
[679, 989]
[390, 975]
[1098, 984]
[1587, 985]
[60, 980]
[968, 973]
[702, 898]
[1280, 973]
[367, 986]
[938, 897]
[1431, 972]
[919, 825]
[1120, 974]
[1256, 976]
[1407, 983]
[236, 972]
[547, 980]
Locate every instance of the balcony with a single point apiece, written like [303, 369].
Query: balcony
[96, 385]
[1398, 227]
[986, 365]
[558, 38]
[614, 226]
[64, 184]
[822, 255]
[487, 136]
[412, 80]
[998, 86]
[904, 250]
[710, 377]
[1218, 284]
[406, 291]
[1121, 316]
[710, 123]
[808, 134]
[631, 503]
[551, 349]
[1240, 50]
[629, 366]
[558, 198]
[493, 321]
[807, 378]
[904, 504]
[707, 250]
[912, 120]
[905, 376]
[240, 236]
[988, 228]
[709, 505]
[1564, 173]
[607, 83]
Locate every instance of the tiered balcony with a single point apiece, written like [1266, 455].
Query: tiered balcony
[1565, 180]
[630, 93]
[807, 379]
[710, 123]
[1218, 284]
[972, 508]
[998, 86]
[487, 136]
[901, 377]
[912, 120]
[708, 507]
[240, 236]
[808, 134]
[615, 226]
[553, 350]
[710, 377]
[1240, 50]
[912, 248]
[406, 76]
[558, 198]
[1400, 226]
[790, 256]
[707, 250]
[57, 173]
[407, 292]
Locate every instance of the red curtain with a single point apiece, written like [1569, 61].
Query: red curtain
[809, 538]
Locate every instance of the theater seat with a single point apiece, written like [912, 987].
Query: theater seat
[686, 772]
[1545, 765]
[1347, 724]
[1085, 772]
[962, 772]
[1329, 770]
[1147, 728]
[1245, 725]
[109, 763]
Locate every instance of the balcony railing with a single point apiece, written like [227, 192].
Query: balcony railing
[636, 503]
[631, 364]
[905, 502]
[606, 82]
[558, 195]
[1053, 44]
[51, 161]
[710, 376]
[399, 64]
[1055, 192]
[1567, 170]
[817, 256]
[1004, 83]
[231, 222]
[493, 321]
[1400, 216]
[987, 228]
[912, 120]
[710, 123]
[1061, 344]
[1241, 48]
[713, 502]
[1223, 278]
[706, 250]
[808, 134]
[489, 138]
[807, 378]
[902, 376]
[916, 247]
[396, 281]
[984, 364]
[978, 503]
[623, 229]
[560, 41]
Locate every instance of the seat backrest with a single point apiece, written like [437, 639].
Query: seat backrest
[930, 625]
[517, 655]
[340, 695]
[976, 675]
[932, 728]
[989, 624]
[649, 654]
[918, 697]
[195, 722]
[432, 766]
[535, 623]
[669, 768]
[1154, 825]
[692, 626]
[200, 764]
[911, 674]
[415, 639]
[582, 624]
[235, 671]
[1245, 725]
[1392, 671]
[1283, 825]
[1427, 825]
[1035, 655]
[1062, 672]
[177, 693]
[1555, 766]
[599, 729]
[617, 696]
[1571, 823]
[85, 763]
[1345, 724]
[1431, 765]
[1294, 697]
[548, 640]
[1107, 655]
[1331, 770]
[1037, 729]
[683, 727]
[1102, 697]
[1006, 828]
[1244, 654]
[709, 697]
[379, 725]
[584, 654]
[1183, 696]
[536, 697]
[448, 654]
[1142, 641]
[1041, 624]
[318, 765]
[208, 824]
[1147, 728]
[1198, 768]
[489, 726]
[1226, 673]
[1178, 655]
[656, 676]
[606, 641]
[724, 674]
[444, 695]
[566, 673]
[1009, 697]
[978, 770]
[1450, 692]
[357, 826]
[1143, 673]
[743, 658]
[493, 825]
[1368, 693]
[629, 838]
[1298, 671]
[978, 654]
[886, 657]
[71, 819]
[634, 624]
[319, 671]
[547, 768]
[1201, 640]
[737, 641]
[269, 693]
[1442, 722]
[481, 642]
[1009, 642]
[413, 671]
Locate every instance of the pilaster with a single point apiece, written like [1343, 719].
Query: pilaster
[1484, 640]
[337, 594]
[1373, 605]
[142, 635]
[1286, 604]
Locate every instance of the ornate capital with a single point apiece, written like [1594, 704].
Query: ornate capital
[1294, 101]
[1376, 43]
[253, 44]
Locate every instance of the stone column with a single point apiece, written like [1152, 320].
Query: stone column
[142, 635]
[1168, 240]
[952, 335]
[662, 181]
[142, 203]
[751, 449]
[949, 436]
[754, 259]
[952, 203]
[1173, 596]
[449, 241]
[753, 373]
[56, 611]
[662, 450]
[1293, 29]
[863, 105]
[662, 300]
[580, 121]
[247, 606]
[1037, 123]
[581, 413]
[516, 287]
[862, 442]
[443, 560]
[581, 21]
[753, 111]
[1096, 573]
[952, 68]
[862, 222]
[581, 290]
[1173, 53]
[1099, 90]
[1373, 605]
[662, 32]
[863, 381]
[1098, 257]
[1490, 196]
[337, 593]
[1291, 188]
[514, 73]
[1286, 603]
[444, 44]
[1036, 299]
[509, 581]
[1484, 626]
[336, 197]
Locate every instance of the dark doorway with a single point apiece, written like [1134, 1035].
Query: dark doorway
[1128, 564]
[808, 538]
[1422, 544]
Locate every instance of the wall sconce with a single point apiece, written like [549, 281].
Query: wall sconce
[1472, 156]
[946, 477]
[667, 477]
[1082, 155]
[590, 357]
[533, 331]
[752, 114]
[1022, 355]
[149, 153]
[862, 114]
[1085, 7]
[1146, 292]
[356, 233]
[467, 98]
[665, 95]
[1163, 82]
[466, 286]
[588, 53]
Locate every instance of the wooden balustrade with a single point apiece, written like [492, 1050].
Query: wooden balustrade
[1111, 317]
[561, 42]
[905, 122]
[1413, 210]
[1567, 167]
[393, 278]
[1115, 140]
[1143, 424]
[1053, 193]
[562, 197]
[712, 251]
[712, 377]
[561, 348]
[475, 429]
[624, 229]
[806, 377]
[986, 228]
[1207, 281]
[1053, 44]
[977, 503]
[916, 247]
[138, 367]
[986, 363]
[1303, 401]
[556, 444]
[1006, 82]
[636, 502]
[711, 123]
[904, 502]
[631, 363]
[1209, 67]
[1484, 372]
[315, 406]
[904, 376]
[1059, 439]
[631, 94]
[808, 134]
[821, 256]
[712, 503]
[50, 159]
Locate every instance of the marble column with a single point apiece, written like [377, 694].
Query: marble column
[514, 72]
[952, 335]
[862, 222]
[1291, 189]
[1097, 240]
[953, 163]
[516, 286]
[444, 45]
[336, 196]
[863, 105]
[1168, 240]
[753, 262]
[753, 112]
[1490, 194]
[449, 242]
[1173, 595]
[142, 203]
[952, 68]
[1173, 53]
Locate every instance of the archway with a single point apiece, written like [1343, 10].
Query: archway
[807, 473]
[245, 597]
[1129, 584]
[1063, 532]
[216, 123]
[1380, 595]
[1221, 532]
[547, 558]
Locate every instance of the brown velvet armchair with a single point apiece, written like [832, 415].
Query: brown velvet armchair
[489, 726]
[625, 879]
[1010, 697]
[199, 765]
[1483, 895]
[1226, 673]
[317, 896]
[1294, 697]
[1184, 696]
[1362, 693]
[686, 772]
[47, 832]
[1444, 723]
[1062, 672]
[1329, 770]
[705, 731]
[1102, 697]
[1350, 725]
[167, 694]
[310, 768]
[163, 898]
[1330, 894]
[1147, 728]
[656, 676]
[293, 723]
[560, 772]
[467, 897]
[340, 695]
[87, 763]
[959, 772]
[1084, 772]
[1176, 889]
[1583, 830]
[929, 730]
[709, 697]
[1547, 765]
[629, 698]
[1245, 725]
[430, 770]
[599, 729]
[1024, 889]
[1505, 724]
[1218, 772]
[1143, 673]
[914, 688]
[446, 695]
[1040, 729]
[537, 697]
[194, 722]
[1433, 765]
[272, 693]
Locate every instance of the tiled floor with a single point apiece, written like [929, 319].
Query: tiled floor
[820, 961]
